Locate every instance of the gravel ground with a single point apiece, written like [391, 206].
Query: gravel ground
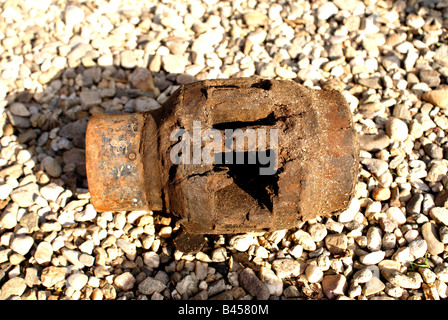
[60, 63]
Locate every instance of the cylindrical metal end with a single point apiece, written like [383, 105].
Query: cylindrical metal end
[115, 164]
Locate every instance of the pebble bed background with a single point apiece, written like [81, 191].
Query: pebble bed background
[62, 62]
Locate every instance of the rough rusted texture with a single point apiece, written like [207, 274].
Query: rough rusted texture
[122, 169]
[317, 157]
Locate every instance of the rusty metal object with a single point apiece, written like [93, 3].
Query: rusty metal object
[129, 166]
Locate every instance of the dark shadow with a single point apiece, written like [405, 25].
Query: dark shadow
[244, 169]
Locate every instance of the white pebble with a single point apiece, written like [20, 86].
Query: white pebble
[372, 257]
[77, 281]
[313, 273]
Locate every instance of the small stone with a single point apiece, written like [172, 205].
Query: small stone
[415, 204]
[441, 199]
[4, 255]
[397, 129]
[297, 250]
[285, 73]
[188, 285]
[291, 292]
[125, 281]
[77, 281]
[88, 214]
[304, 239]
[128, 59]
[375, 166]
[372, 82]
[430, 77]
[334, 285]
[219, 254]
[285, 267]
[51, 167]
[141, 78]
[86, 259]
[19, 122]
[418, 248]
[26, 195]
[52, 275]
[255, 38]
[438, 97]
[441, 271]
[73, 15]
[44, 252]
[242, 242]
[388, 226]
[411, 281]
[326, 10]
[374, 239]
[145, 104]
[255, 19]
[415, 21]
[19, 109]
[272, 281]
[336, 243]
[5, 191]
[372, 257]
[97, 294]
[441, 55]
[72, 256]
[440, 215]
[172, 21]
[391, 62]
[13, 287]
[31, 277]
[443, 232]
[8, 218]
[402, 112]
[427, 275]
[30, 221]
[90, 98]
[128, 248]
[435, 152]
[416, 129]
[362, 276]
[151, 259]
[67, 218]
[150, 285]
[253, 285]
[403, 255]
[23, 156]
[381, 194]
[13, 172]
[396, 215]
[105, 60]
[313, 274]
[349, 214]
[373, 286]
[73, 130]
[317, 231]
[174, 63]
[334, 226]
[373, 142]
[216, 287]
[22, 244]
[429, 232]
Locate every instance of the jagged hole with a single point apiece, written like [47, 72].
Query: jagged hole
[247, 175]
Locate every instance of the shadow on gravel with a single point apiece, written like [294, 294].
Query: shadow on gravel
[52, 123]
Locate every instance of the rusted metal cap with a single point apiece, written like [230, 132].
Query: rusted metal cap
[121, 156]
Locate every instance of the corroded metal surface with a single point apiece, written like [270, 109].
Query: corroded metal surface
[316, 153]
[120, 171]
